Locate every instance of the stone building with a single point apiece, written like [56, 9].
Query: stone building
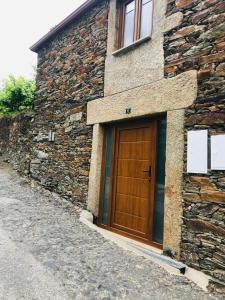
[70, 73]
[120, 85]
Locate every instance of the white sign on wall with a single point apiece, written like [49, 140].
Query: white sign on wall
[197, 151]
[218, 152]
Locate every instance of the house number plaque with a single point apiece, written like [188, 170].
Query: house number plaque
[128, 110]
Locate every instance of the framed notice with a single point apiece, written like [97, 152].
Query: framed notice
[197, 151]
[218, 152]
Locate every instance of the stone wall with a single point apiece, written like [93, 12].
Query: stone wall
[55, 148]
[70, 73]
[15, 141]
[196, 40]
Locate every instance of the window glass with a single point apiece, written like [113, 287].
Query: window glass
[160, 183]
[129, 24]
[130, 7]
[146, 18]
[106, 183]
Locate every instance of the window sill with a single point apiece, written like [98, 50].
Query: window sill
[124, 50]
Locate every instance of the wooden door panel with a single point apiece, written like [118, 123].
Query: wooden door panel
[133, 189]
[132, 168]
[124, 185]
[144, 134]
[135, 150]
[127, 135]
[143, 150]
[137, 134]
[127, 150]
[140, 188]
[127, 204]
[131, 223]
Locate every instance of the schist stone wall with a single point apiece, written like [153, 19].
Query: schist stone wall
[15, 137]
[197, 41]
[70, 73]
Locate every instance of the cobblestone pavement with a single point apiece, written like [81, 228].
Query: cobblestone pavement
[47, 253]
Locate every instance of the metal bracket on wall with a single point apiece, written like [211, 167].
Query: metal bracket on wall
[51, 136]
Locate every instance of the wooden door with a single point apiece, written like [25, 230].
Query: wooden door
[134, 179]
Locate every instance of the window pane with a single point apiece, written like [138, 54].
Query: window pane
[129, 24]
[145, 1]
[130, 7]
[146, 18]
[160, 183]
[106, 183]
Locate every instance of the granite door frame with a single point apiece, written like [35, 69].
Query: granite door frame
[165, 97]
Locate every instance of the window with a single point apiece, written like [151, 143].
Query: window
[146, 18]
[135, 21]
[129, 23]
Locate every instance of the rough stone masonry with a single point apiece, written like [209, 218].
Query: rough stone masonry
[197, 41]
[70, 73]
[53, 146]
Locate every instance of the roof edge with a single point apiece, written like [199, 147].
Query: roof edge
[80, 10]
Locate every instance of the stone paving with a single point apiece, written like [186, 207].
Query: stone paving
[47, 253]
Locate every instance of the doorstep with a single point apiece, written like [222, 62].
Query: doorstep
[156, 255]
[149, 252]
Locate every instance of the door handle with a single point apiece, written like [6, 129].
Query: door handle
[149, 171]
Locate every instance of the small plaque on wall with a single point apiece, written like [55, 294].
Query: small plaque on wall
[197, 151]
[218, 152]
